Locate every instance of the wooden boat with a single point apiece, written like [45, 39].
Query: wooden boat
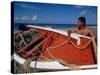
[50, 50]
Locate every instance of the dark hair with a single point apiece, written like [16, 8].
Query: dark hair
[82, 19]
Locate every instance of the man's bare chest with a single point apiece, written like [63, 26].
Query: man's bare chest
[82, 32]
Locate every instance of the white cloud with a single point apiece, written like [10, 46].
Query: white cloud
[93, 15]
[29, 6]
[16, 18]
[83, 12]
[24, 18]
[34, 17]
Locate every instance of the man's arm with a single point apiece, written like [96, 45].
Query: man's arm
[92, 33]
[94, 42]
[69, 33]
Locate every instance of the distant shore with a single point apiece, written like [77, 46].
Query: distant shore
[65, 28]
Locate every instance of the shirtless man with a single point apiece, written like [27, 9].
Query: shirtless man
[81, 29]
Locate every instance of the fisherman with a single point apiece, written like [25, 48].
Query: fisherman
[82, 29]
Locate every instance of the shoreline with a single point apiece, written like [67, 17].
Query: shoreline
[94, 28]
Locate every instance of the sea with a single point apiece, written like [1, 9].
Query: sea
[64, 27]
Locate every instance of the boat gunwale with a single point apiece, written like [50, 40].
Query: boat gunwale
[21, 61]
[73, 35]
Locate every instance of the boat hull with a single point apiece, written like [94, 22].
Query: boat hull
[68, 52]
[55, 46]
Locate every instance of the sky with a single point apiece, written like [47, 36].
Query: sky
[29, 12]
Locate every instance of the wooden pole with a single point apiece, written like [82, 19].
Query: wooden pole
[23, 39]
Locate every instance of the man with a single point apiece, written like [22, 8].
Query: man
[81, 29]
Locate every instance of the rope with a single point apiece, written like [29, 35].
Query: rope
[62, 45]
[22, 39]
[95, 47]
[59, 60]
[67, 42]
[28, 61]
[26, 65]
[81, 48]
[62, 61]
[71, 66]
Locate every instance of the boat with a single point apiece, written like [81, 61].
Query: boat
[46, 49]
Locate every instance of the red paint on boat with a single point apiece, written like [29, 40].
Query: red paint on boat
[66, 52]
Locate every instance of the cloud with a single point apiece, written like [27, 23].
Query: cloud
[16, 18]
[83, 12]
[34, 17]
[24, 17]
[93, 15]
[29, 6]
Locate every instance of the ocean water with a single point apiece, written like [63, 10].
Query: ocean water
[55, 26]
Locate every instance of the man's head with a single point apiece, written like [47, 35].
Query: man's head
[81, 22]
